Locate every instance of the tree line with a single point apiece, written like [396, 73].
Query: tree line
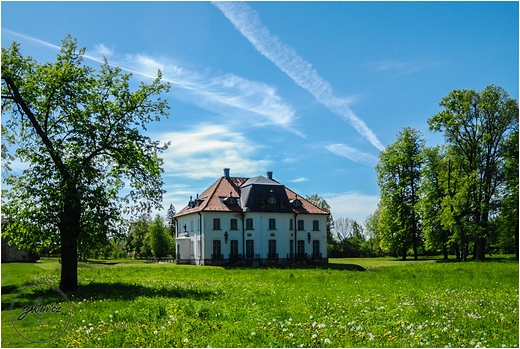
[460, 197]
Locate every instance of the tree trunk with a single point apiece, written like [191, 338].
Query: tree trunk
[69, 233]
[445, 252]
[69, 263]
[480, 249]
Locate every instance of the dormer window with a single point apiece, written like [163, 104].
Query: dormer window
[296, 203]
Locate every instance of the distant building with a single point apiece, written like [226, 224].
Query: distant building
[12, 253]
[254, 221]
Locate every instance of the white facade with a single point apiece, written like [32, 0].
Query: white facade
[220, 233]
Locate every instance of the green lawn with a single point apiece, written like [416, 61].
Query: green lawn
[380, 302]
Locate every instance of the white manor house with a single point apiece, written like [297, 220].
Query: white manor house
[250, 221]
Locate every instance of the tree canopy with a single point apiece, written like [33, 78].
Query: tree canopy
[80, 132]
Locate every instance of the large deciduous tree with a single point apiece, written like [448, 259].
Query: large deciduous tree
[399, 174]
[475, 127]
[80, 133]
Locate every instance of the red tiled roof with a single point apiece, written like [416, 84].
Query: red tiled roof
[211, 198]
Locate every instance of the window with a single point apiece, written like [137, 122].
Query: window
[315, 225]
[249, 223]
[272, 249]
[233, 224]
[216, 223]
[291, 224]
[216, 249]
[191, 225]
[301, 247]
[250, 249]
[300, 225]
[316, 249]
[272, 223]
[233, 249]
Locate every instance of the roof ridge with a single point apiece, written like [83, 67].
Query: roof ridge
[303, 198]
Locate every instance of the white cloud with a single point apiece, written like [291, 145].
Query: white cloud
[102, 50]
[229, 95]
[205, 150]
[355, 205]
[400, 67]
[299, 180]
[352, 154]
[297, 68]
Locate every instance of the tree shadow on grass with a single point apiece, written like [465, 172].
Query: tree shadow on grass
[123, 291]
[326, 266]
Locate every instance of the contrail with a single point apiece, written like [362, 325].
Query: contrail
[287, 60]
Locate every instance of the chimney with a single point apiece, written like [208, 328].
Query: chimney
[226, 172]
[270, 174]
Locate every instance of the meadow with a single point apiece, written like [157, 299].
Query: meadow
[348, 303]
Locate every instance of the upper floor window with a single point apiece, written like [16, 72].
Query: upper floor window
[315, 224]
[249, 223]
[272, 223]
[233, 224]
[291, 224]
[216, 224]
[300, 224]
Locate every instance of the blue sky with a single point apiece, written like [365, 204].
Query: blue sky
[312, 91]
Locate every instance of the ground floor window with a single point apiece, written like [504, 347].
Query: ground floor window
[216, 249]
[272, 249]
[301, 247]
[233, 248]
[316, 248]
[250, 249]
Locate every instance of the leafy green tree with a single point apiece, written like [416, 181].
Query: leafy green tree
[431, 193]
[399, 174]
[508, 221]
[136, 236]
[372, 231]
[475, 126]
[158, 240]
[79, 131]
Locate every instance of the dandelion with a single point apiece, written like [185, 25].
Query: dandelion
[327, 341]
[311, 317]
[185, 340]
[314, 336]
[253, 333]
[291, 335]
[110, 316]
[155, 332]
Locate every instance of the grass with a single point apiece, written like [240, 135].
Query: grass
[379, 302]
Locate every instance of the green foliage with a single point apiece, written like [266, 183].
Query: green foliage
[136, 236]
[158, 240]
[390, 304]
[399, 176]
[476, 126]
[80, 133]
